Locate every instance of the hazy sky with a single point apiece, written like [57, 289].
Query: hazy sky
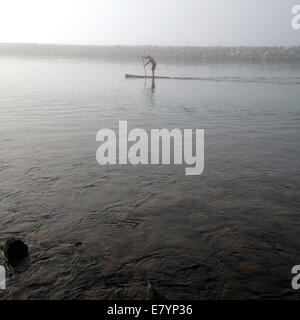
[157, 22]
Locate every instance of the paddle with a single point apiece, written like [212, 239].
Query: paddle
[144, 67]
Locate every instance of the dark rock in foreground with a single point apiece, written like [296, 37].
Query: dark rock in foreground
[15, 250]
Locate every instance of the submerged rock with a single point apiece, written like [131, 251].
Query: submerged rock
[15, 250]
[152, 294]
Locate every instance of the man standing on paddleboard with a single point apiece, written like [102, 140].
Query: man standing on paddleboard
[151, 60]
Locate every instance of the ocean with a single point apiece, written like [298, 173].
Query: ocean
[110, 232]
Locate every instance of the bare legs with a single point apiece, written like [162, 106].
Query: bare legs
[153, 71]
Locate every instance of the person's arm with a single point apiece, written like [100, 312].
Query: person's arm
[148, 62]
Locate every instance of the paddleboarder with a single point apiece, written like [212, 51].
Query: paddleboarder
[153, 62]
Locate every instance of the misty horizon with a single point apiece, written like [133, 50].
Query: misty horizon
[163, 54]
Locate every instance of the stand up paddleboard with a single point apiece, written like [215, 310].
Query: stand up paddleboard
[132, 76]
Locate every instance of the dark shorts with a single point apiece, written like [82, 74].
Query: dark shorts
[153, 67]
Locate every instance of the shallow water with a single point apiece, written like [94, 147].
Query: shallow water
[232, 232]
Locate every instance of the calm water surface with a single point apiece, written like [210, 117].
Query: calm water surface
[232, 232]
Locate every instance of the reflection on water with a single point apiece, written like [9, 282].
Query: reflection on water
[149, 91]
[231, 233]
[153, 85]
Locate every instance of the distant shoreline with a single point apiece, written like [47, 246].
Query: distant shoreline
[162, 53]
